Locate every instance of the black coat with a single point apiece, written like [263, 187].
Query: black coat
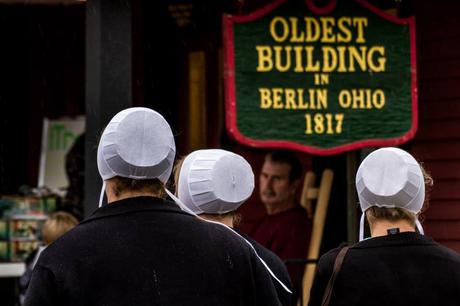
[146, 251]
[278, 268]
[402, 269]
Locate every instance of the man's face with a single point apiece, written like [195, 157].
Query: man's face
[275, 188]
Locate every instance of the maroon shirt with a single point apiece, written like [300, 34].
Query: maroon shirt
[287, 234]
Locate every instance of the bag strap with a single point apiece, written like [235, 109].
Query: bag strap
[337, 265]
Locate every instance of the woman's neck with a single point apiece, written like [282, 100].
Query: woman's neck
[129, 194]
[381, 227]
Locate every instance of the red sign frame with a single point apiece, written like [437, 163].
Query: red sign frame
[230, 93]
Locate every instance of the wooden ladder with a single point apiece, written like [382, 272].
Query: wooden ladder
[321, 195]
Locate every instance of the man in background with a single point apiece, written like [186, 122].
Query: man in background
[286, 228]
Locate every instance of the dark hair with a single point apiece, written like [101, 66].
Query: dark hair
[287, 157]
[123, 184]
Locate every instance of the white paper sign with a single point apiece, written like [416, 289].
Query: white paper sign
[58, 137]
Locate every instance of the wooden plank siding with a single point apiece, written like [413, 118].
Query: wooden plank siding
[437, 143]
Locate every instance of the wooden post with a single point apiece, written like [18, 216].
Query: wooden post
[197, 100]
[323, 194]
[108, 80]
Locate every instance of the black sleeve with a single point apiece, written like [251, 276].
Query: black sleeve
[26, 276]
[265, 293]
[323, 273]
[42, 288]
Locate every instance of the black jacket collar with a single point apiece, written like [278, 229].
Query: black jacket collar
[406, 238]
[134, 204]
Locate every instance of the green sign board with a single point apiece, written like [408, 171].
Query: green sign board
[322, 80]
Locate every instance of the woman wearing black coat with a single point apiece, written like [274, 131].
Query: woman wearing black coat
[397, 264]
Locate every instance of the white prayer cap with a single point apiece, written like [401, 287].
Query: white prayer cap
[137, 143]
[390, 177]
[214, 181]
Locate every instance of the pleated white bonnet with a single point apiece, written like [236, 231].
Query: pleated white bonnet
[214, 181]
[390, 177]
[137, 143]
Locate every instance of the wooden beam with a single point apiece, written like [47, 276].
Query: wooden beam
[317, 232]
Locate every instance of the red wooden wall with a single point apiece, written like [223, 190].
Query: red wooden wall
[437, 142]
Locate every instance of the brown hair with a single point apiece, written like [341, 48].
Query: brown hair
[124, 184]
[176, 172]
[391, 214]
[236, 217]
[429, 182]
[58, 224]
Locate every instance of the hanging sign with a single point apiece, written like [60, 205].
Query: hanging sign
[323, 80]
